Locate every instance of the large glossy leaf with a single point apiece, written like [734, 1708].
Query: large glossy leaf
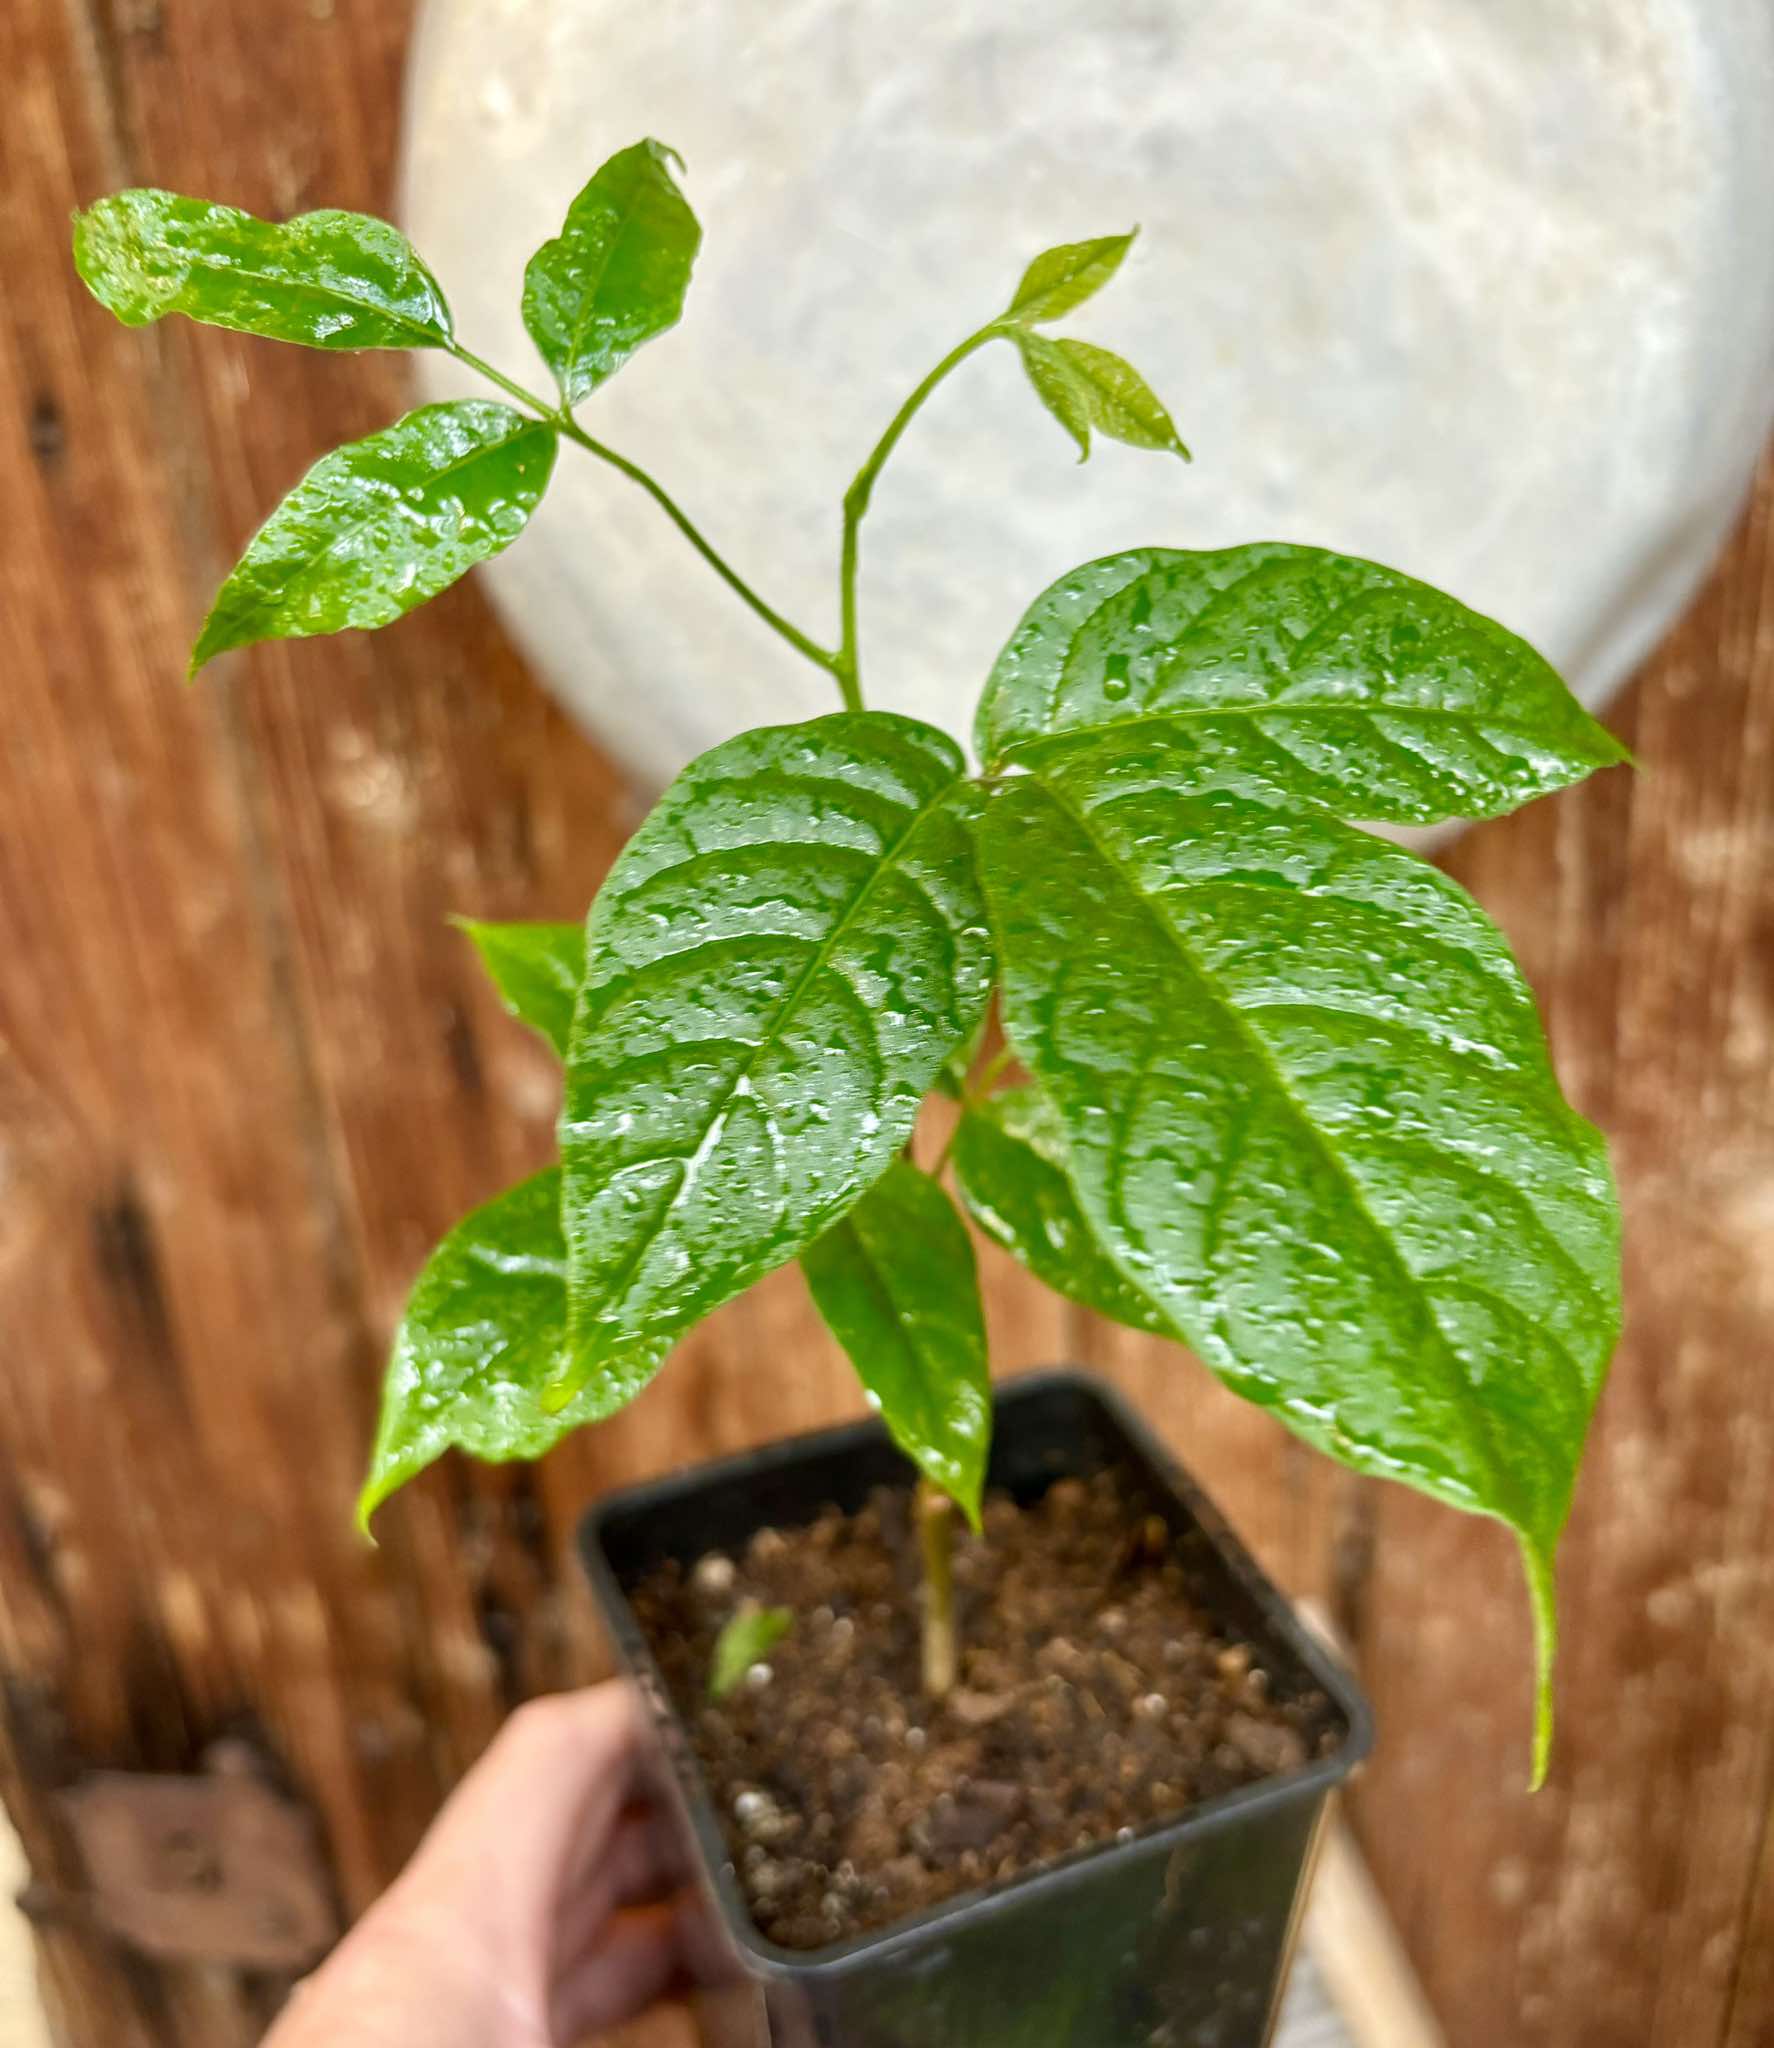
[1311, 674]
[777, 967]
[1064, 277]
[380, 525]
[1084, 386]
[536, 969]
[1010, 1165]
[896, 1283]
[1307, 1110]
[616, 274]
[483, 1335]
[327, 280]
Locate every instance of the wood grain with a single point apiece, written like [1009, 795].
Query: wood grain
[247, 1074]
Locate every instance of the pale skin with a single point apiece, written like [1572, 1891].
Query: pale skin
[543, 1906]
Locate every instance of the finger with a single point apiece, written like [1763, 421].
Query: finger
[642, 1861]
[636, 1962]
[545, 1797]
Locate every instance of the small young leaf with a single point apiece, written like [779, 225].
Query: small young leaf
[1010, 1166]
[896, 1283]
[1062, 278]
[380, 525]
[536, 969]
[1307, 1110]
[616, 274]
[776, 969]
[1057, 386]
[1122, 404]
[747, 1639]
[484, 1333]
[1319, 676]
[326, 280]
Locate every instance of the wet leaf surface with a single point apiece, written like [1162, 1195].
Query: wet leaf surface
[536, 969]
[380, 525]
[1307, 1111]
[483, 1336]
[1309, 674]
[896, 1282]
[326, 280]
[777, 968]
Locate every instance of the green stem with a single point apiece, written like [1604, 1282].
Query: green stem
[936, 1540]
[564, 423]
[847, 665]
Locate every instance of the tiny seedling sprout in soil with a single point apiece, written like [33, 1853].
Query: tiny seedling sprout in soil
[1269, 1085]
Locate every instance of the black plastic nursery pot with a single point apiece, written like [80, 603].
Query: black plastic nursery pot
[1177, 1938]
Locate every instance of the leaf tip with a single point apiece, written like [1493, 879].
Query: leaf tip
[375, 1491]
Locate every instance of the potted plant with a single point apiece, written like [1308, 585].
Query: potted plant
[1024, 1750]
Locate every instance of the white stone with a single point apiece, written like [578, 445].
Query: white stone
[1482, 288]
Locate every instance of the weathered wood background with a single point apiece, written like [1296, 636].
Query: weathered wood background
[247, 1074]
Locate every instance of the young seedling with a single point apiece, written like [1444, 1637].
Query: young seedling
[750, 1634]
[1284, 1093]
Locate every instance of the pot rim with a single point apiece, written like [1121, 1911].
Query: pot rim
[768, 1958]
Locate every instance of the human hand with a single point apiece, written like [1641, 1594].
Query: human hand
[536, 1911]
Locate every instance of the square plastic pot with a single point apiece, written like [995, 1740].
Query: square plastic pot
[1177, 1938]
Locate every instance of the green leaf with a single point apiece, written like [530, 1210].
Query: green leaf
[1084, 386]
[778, 965]
[326, 280]
[1057, 387]
[536, 969]
[896, 1283]
[1312, 675]
[380, 525]
[748, 1638]
[1064, 277]
[616, 274]
[1307, 1111]
[1010, 1165]
[484, 1333]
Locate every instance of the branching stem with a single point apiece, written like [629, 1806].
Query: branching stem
[565, 425]
[848, 665]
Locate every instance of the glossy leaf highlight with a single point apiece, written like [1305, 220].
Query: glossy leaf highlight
[483, 1334]
[747, 1639]
[536, 969]
[1063, 277]
[1010, 1166]
[776, 969]
[380, 525]
[616, 274]
[1307, 1111]
[325, 280]
[896, 1283]
[1305, 673]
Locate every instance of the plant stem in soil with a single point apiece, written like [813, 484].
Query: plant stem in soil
[936, 1541]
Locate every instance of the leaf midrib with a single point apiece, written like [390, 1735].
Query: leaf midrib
[432, 336]
[1294, 707]
[625, 220]
[1454, 1372]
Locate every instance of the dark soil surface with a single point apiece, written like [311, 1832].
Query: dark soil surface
[1097, 1698]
